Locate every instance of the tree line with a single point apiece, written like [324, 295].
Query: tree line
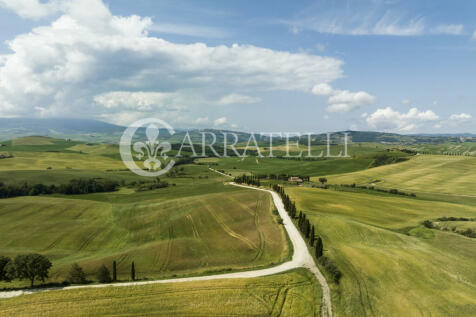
[35, 267]
[308, 231]
[74, 187]
[249, 180]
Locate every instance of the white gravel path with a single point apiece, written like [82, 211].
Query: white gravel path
[300, 258]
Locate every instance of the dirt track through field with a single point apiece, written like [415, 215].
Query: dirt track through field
[300, 258]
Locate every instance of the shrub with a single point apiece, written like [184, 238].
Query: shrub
[76, 275]
[428, 224]
[330, 268]
[103, 275]
[4, 262]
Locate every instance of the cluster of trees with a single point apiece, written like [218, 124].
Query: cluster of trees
[74, 187]
[289, 205]
[25, 266]
[103, 274]
[385, 159]
[36, 267]
[309, 233]
[455, 219]
[156, 183]
[380, 190]
[250, 180]
[283, 177]
[468, 232]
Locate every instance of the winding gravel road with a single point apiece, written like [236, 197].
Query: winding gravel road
[301, 258]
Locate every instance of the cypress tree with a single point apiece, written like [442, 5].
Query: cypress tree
[307, 229]
[319, 247]
[312, 238]
[133, 272]
[114, 271]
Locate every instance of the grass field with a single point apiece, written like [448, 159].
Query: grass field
[291, 294]
[199, 225]
[392, 266]
[455, 175]
[238, 166]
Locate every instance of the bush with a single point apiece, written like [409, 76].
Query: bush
[4, 264]
[330, 268]
[428, 224]
[103, 275]
[76, 275]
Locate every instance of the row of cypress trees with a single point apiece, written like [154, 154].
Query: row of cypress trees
[304, 225]
[289, 205]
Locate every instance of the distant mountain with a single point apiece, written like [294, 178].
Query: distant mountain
[98, 131]
[80, 129]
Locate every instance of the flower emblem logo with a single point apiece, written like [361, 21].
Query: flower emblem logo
[148, 157]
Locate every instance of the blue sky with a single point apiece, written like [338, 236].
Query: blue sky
[400, 66]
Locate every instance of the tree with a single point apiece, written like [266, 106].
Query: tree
[32, 266]
[76, 275]
[10, 271]
[307, 229]
[312, 238]
[3, 263]
[114, 268]
[323, 180]
[319, 247]
[133, 272]
[103, 275]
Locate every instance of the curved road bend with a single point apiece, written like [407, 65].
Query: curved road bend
[300, 258]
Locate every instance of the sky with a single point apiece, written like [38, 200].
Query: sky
[295, 66]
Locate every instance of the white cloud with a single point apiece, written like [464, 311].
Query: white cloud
[220, 121]
[237, 99]
[342, 100]
[388, 119]
[461, 117]
[474, 35]
[32, 9]
[322, 89]
[358, 23]
[449, 29]
[189, 30]
[366, 17]
[406, 101]
[202, 120]
[140, 101]
[89, 62]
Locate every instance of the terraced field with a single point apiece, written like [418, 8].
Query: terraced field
[393, 266]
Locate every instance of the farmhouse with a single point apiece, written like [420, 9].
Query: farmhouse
[295, 179]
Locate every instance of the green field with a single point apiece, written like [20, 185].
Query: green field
[393, 266]
[290, 294]
[197, 225]
[202, 231]
[238, 166]
[454, 175]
